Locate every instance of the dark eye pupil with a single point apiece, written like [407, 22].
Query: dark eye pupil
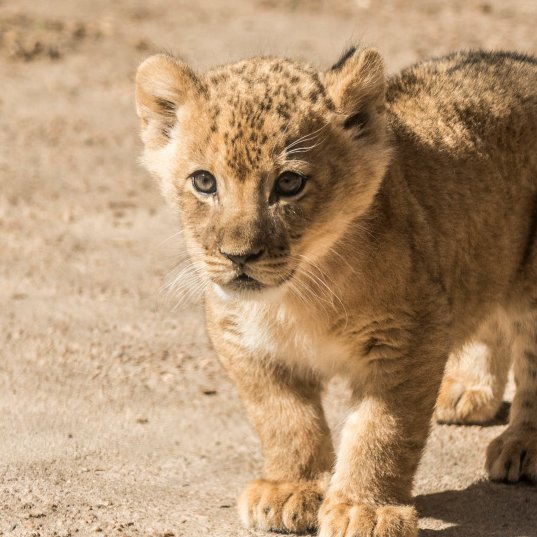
[204, 182]
[289, 184]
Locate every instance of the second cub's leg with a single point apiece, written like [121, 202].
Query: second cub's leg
[285, 409]
[475, 378]
[513, 455]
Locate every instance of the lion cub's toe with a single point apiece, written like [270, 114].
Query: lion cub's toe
[346, 519]
[461, 404]
[280, 506]
[513, 456]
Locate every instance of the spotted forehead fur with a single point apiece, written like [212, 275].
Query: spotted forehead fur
[255, 100]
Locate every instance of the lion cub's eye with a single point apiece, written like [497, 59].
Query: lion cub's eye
[289, 184]
[204, 182]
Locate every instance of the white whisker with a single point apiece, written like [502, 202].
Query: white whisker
[326, 294]
[180, 232]
[307, 138]
[188, 284]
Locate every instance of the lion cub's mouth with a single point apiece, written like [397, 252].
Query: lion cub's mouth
[244, 284]
[244, 281]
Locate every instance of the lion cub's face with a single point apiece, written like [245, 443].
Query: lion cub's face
[266, 159]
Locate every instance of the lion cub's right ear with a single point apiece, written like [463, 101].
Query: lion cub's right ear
[163, 85]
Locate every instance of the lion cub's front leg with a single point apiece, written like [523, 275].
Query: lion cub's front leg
[286, 412]
[381, 444]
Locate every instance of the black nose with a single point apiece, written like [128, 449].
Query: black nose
[243, 258]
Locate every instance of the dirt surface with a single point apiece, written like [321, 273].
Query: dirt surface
[115, 417]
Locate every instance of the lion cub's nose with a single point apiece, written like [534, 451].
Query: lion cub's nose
[245, 257]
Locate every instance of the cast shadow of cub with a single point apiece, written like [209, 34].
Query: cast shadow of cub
[484, 509]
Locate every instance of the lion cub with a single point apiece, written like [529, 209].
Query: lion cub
[345, 223]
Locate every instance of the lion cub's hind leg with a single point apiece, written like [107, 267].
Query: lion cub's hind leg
[475, 379]
[513, 455]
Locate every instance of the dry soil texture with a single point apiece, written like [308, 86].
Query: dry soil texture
[115, 418]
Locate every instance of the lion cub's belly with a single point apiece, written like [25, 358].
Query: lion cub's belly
[293, 337]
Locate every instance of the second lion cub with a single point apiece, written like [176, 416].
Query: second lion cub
[345, 223]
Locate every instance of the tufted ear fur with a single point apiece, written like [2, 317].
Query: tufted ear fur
[163, 85]
[357, 85]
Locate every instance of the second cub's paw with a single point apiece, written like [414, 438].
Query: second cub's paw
[280, 506]
[513, 456]
[341, 519]
[461, 404]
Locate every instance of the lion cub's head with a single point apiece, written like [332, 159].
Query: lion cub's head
[267, 159]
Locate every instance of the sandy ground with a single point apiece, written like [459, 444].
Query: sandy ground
[115, 417]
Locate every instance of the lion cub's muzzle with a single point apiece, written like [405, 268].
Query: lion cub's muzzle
[242, 264]
[252, 269]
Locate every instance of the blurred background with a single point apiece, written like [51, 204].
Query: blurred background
[115, 418]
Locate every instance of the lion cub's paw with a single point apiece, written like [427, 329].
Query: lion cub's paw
[280, 506]
[513, 456]
[341, 519]
[460, 404]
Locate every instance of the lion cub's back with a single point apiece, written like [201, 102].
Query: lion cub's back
[468, 100]
[465, 131]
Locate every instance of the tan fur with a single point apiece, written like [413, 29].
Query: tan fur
[415, 231]
[476, 376]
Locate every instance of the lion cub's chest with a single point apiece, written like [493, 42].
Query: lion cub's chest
[293, 337]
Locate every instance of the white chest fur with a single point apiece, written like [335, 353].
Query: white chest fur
[293, 336]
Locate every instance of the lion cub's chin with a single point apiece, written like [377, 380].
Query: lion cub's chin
[265, 293]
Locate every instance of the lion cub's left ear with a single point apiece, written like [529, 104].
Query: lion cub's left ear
[163, 85]
[357, 85]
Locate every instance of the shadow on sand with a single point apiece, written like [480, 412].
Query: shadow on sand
[502, 416]
[483, 509]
